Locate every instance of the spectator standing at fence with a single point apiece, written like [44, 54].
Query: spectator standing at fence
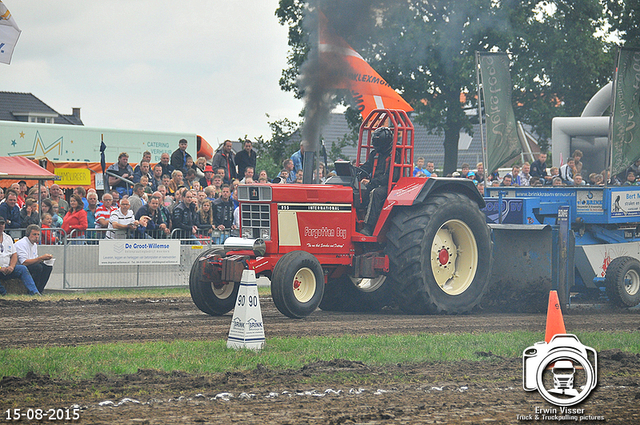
[167, 168]
[29, 213]
[146, 157]
[122, 221]
[124, 170]
[179, 156]
[156, 177]
[142, 169]
[159, 224]
[10, 211]
[248, 176]
[44, 192]
[9, 267]
[479, 173]
[22, 192]
[48, 233]
[83, 195]
[76, 218]
[567, 171]
[149, 220]
[184, 216]
[176, 182]
[225, 159]
[103, 212]
[207, 180]
[223, 211]
[539, 168]
[137, 199]
[55, 210]
[56, 194]
[92, 207]
[205, 218]
[27, 250]
[298, 159]
[247, 157]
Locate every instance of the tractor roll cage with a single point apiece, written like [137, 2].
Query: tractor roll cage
[398, 121]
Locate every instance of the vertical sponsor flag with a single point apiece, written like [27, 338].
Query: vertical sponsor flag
[370, 91]
[9, 33]
[502, 134]
[625, 125]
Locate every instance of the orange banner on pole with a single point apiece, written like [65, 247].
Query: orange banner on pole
[370, 91]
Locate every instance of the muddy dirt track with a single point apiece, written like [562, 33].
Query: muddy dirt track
[459, 392]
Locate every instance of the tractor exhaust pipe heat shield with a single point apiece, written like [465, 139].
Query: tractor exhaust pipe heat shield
[239, 244]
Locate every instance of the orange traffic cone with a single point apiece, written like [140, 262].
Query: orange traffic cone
[555, 322]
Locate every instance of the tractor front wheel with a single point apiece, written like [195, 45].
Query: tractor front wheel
[210, 294]
[297, 284]
[440, 255]
[622, 281]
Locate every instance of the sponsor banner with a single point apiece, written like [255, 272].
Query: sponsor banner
[625, 204]
[73, 176]
[589, 201]
[502, 133]
[131, 252]
[625, 129]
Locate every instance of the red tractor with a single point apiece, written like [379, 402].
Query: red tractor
[430, 250]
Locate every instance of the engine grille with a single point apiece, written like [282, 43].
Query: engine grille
[255, 221]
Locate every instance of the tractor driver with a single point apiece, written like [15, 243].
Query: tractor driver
[377, 165]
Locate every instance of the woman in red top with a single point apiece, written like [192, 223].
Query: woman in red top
[76, 218]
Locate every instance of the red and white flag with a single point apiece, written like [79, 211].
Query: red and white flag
[9, 33]
[369, 89]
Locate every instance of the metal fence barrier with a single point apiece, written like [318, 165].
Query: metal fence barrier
[77, 265]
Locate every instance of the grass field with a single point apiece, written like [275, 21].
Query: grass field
[83, 362]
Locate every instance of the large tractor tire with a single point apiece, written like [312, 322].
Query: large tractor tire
[440, 255]
[297, 284]
[350, 294]
[211, 296]
[622, 282]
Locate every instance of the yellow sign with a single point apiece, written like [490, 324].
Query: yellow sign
[73, 176]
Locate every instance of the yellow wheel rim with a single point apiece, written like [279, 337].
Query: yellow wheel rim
[454, 257]
[222, 290]
[304, 285]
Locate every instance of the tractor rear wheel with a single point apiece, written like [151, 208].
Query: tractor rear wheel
[622, 281]
[297, 284]
[350, 294]
[440, 255]
[213, 297]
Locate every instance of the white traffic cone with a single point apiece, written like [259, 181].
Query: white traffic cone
[247, 330]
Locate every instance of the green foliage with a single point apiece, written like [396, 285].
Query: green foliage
[426, 50]
[271, 153]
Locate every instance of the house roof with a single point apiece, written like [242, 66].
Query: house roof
[12, 105]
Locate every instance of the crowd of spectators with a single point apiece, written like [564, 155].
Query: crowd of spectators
[177, 197]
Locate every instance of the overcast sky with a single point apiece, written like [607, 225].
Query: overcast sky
[209, 67]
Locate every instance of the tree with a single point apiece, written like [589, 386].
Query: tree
[426, 50]
[272, 152]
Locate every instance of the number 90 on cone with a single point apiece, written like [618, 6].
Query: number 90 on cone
[247, 330]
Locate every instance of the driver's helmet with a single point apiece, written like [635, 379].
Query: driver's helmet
[381, 139]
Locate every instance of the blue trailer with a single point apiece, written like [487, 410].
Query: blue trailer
[578, 240]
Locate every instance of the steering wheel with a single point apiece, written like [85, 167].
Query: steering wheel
[360, 172]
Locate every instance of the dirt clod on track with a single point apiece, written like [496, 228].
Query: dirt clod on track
[456, 392]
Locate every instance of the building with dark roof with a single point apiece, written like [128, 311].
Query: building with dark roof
[429, 146]
[26, 107]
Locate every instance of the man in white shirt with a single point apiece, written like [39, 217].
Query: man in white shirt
[122, 221]
[27, 250]
[9, 267]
